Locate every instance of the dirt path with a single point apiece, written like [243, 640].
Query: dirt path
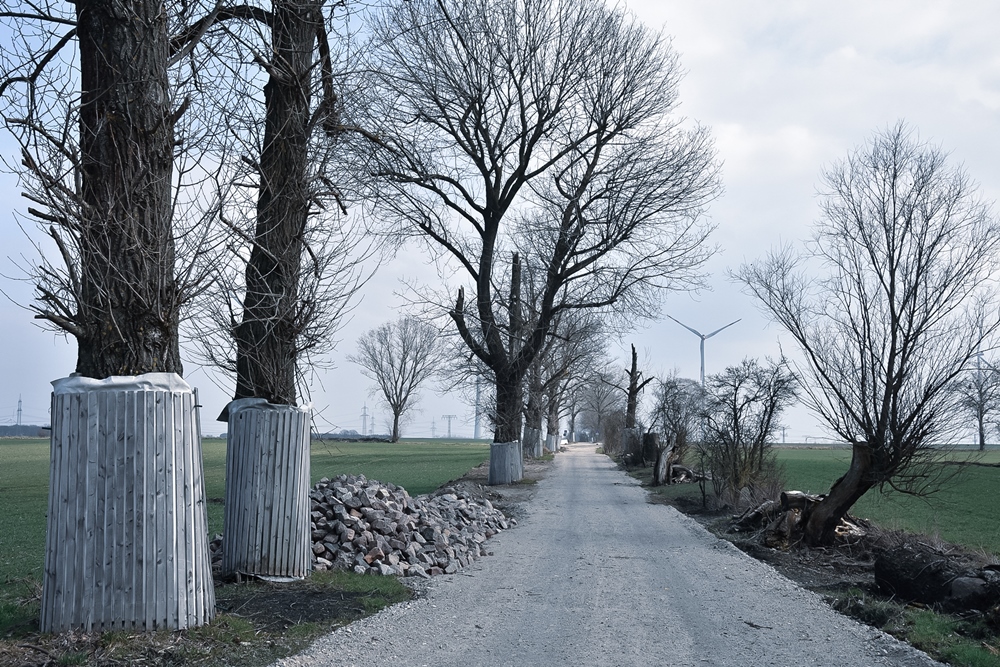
[595, 575]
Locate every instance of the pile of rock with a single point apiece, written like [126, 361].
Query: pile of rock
[372, 527]
[377, 528]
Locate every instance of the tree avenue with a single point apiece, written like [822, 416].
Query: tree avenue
[536, 133]
[910, 254]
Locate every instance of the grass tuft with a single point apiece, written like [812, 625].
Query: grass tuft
[73, 658]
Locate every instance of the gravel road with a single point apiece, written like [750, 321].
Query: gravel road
[594, 575]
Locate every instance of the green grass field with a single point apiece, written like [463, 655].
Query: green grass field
[963, 511]
[419, 466]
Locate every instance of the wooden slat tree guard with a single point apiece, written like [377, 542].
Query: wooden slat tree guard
[531, 441]
[506, 463]
[127, 534]
[267, 530]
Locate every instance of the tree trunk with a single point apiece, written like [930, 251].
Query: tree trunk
[508, 408]
[129, 305]
[661, 468]
[531, 442]
[267, 337]
[982, 430]
[506, 463]
[635, 388]
[825, 516]
[395, 427]
[532, 438]
[507, 433]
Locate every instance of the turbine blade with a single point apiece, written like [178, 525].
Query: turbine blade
[695, 332]
[718, 330]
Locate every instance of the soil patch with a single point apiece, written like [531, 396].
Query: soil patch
[276, 607]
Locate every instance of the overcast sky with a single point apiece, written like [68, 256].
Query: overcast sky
[787, 88]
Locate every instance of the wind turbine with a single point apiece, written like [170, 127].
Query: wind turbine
[703, 338]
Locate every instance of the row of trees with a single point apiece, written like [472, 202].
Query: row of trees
[194, 163]
[530, 144]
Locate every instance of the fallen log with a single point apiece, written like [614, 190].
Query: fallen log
[754, 518]
[680, 473]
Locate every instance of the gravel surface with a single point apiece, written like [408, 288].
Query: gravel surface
[594, 575]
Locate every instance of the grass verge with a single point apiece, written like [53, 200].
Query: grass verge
[963, 511]
[960, 512]
[963, 642]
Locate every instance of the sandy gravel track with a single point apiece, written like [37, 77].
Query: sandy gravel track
[594, 575]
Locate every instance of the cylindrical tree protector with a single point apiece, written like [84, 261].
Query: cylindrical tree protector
[267, 531]
[506, 463]
[531, 441]
[127, 534]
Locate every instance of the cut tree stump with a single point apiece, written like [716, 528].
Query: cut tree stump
[127, 534]
[266, 526]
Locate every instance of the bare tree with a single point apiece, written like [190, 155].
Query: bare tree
[580, 341]
[632, 388]
[909, 250]
[743, 404]
[92, 95]
[292, 271]
[601, 400]
[294, 264]
[546, 122]
[977, 393]
[399, 356]
[576, 337]
[678, 411]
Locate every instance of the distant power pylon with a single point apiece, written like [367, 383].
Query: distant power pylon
[449, 418]
[433, 428]
[364, 420]
[18, 409]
